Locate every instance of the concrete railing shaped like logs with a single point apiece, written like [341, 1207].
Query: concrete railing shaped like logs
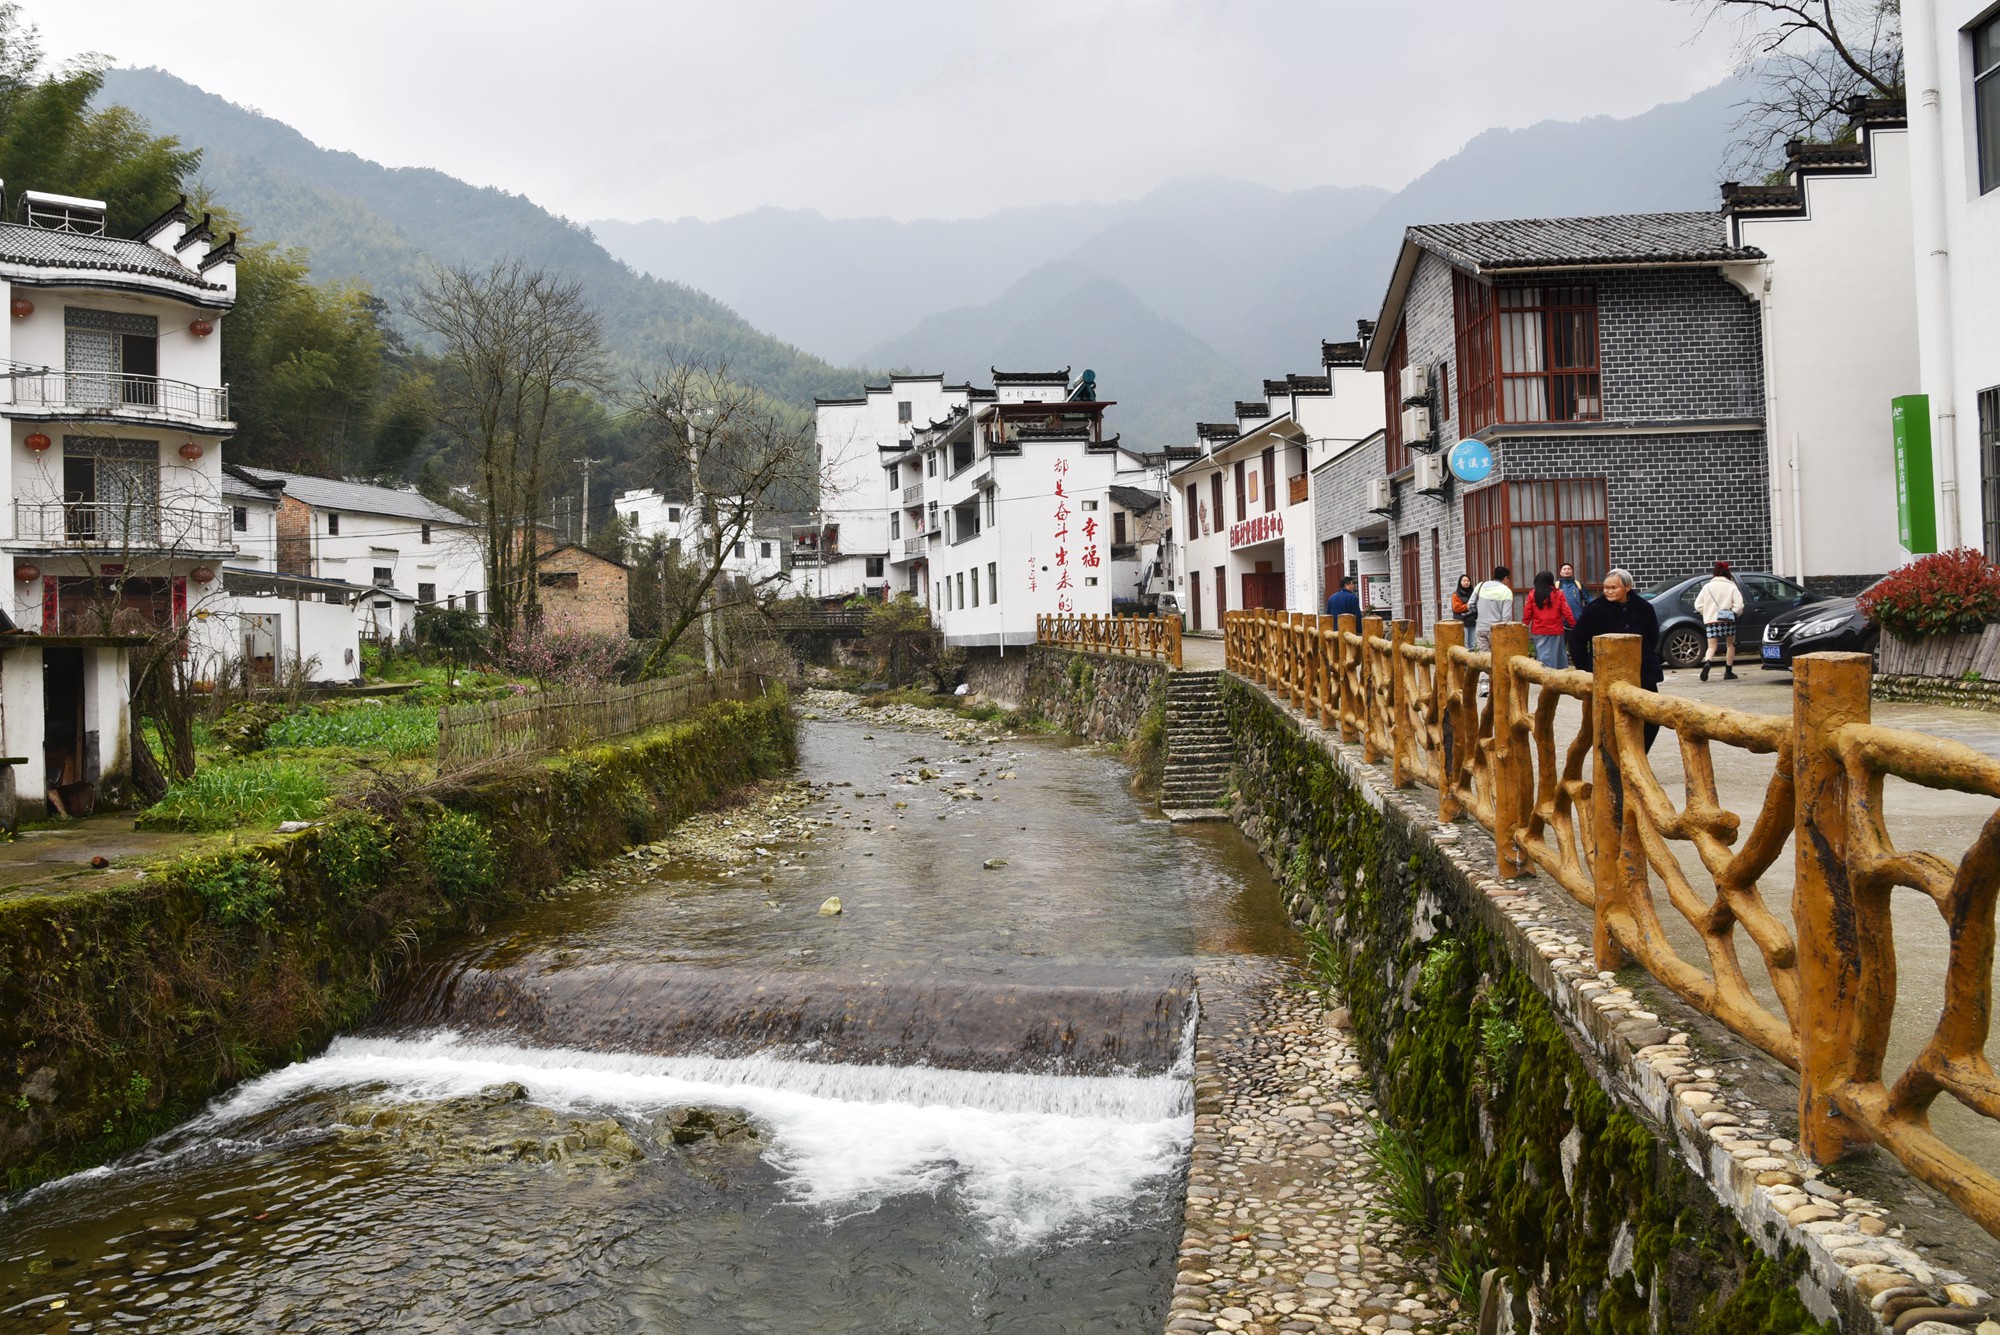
[1136, 637]
[1832, 970]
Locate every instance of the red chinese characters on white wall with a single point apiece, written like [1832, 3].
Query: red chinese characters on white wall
[1065, 597]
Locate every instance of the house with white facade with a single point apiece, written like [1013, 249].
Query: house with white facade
[116, 413]
[862, 526]
[1245, 522]
[1837, 296]
[1015, 495]
[755, 555]
[1952, 70]
[388, 553]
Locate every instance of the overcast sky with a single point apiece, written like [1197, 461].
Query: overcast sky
[664, 108]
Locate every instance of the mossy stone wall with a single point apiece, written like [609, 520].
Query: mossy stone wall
[1105, 697]
[122, 1009]
[1596, 1223]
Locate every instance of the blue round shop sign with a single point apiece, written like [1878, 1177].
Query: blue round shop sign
[1470, 461]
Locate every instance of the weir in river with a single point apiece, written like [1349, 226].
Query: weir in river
[682, 1098]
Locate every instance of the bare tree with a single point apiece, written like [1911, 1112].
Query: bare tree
[738, 453]
[517, 342]
[1808, 59]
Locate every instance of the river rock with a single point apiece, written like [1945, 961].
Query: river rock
[496, 1125]
[831, 908]
[688, 1126]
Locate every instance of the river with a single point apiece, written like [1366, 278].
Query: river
[960, 1104]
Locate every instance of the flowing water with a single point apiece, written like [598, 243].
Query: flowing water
[961, 1105]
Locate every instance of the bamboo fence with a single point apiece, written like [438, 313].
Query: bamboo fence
[557, 720]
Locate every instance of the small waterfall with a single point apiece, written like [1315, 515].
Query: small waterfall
[1094, 1019]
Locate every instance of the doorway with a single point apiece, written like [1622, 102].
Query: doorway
[67, 767]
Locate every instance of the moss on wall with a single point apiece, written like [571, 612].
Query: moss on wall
[1598, 1225]
[122, 1009]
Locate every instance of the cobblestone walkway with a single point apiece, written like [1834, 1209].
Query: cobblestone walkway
[1280, 1233]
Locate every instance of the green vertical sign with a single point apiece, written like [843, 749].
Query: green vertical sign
[1916, 498]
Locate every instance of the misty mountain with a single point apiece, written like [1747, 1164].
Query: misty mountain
[1258, 275]
[842, 285]
[385, 227]
[1158, 373]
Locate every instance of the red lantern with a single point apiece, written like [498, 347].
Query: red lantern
[23, 308]
[26, 573]
[190, 451]
[201, 328]
[201, 574]
[37, 441]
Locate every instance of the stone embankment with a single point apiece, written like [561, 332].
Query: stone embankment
[1284, 1228]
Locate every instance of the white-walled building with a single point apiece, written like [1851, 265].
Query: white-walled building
[393, 552]
[862, 526]
[1244, 518]
[756, 556]
[1952, 71]
[116, 413]
[1839, 322]
[1014, 491]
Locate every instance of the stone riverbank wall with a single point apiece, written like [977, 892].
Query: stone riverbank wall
[1105, 697]
[123, 1008]
[1624, 1163]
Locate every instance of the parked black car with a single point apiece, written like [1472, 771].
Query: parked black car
[1684, 644]
[1833, 624]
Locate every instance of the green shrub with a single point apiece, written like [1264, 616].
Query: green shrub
[356, 852]
[458, 849]
[232, 796]
[235, 888]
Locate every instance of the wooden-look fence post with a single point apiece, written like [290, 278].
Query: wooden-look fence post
[1839, 989]
[1512, 767]
[1615, 660]
[1449, 635]
[1294, 660]
[1323, 669]
[1174, 643]
[1371, 629]
[1350, 676]
[1400, 634]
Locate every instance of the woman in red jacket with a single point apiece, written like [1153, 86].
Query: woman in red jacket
[1549, 619]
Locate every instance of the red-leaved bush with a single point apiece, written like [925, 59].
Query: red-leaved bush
[560, 653]
[1943, 594]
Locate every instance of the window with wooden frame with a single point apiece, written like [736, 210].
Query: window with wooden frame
[1396, 454]
[1270, 478]
[1548, 354]
[1193, 512]
[1410, 552]
[1534, 526]
[1216, 519]
[1242, 502]
[1474, 317]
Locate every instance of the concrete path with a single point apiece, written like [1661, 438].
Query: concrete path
[1281, 1229]
[1201, 653]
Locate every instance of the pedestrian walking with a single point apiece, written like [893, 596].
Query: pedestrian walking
[1549, 619]
[1570, 588]
[1493, 601]
[1719, 603]
[1620, 611]
[1343, 601]
[1461, 602]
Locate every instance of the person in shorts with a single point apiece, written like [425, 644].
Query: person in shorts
[1719, 603]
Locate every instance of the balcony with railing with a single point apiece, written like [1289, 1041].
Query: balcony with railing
[40, 391]
[121, 526]
[915, 546]
[913, 494]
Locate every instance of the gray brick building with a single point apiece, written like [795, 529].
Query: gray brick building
[1613, 367]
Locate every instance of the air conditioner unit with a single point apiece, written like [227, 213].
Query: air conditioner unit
[1416, 383]
[1429, 473]
[1381, 495]
[1417, 427]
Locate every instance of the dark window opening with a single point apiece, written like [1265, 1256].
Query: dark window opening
[427, 594]
[873, 567]
[1216, 518]
[1989, 466]
[1118, 528]
[1533, 526]
[424, 533]
[549, 579]
[1986, 100]
[385, 576]
[1242, 504]
[333, 524]
[1270, 477]
[903, 411]
[239, 518]
[1395, 452]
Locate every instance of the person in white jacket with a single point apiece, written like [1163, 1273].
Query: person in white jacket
[1719, 603]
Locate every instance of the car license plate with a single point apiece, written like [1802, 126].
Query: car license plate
[1774, 651]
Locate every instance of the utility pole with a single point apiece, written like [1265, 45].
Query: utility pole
[586, 462]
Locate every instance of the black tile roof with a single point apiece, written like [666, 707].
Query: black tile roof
[1136, 499]
[1217, 430]
[44, 248]
[1031, 377]
[1245, 408]
[1342, 354]
[1625, 238]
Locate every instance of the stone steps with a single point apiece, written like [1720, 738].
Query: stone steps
[1199, 754]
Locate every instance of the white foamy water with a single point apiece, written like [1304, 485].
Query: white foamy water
[1030, 1155]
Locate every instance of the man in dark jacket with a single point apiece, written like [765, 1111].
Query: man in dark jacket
[1621, 612]
[1343, 601]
